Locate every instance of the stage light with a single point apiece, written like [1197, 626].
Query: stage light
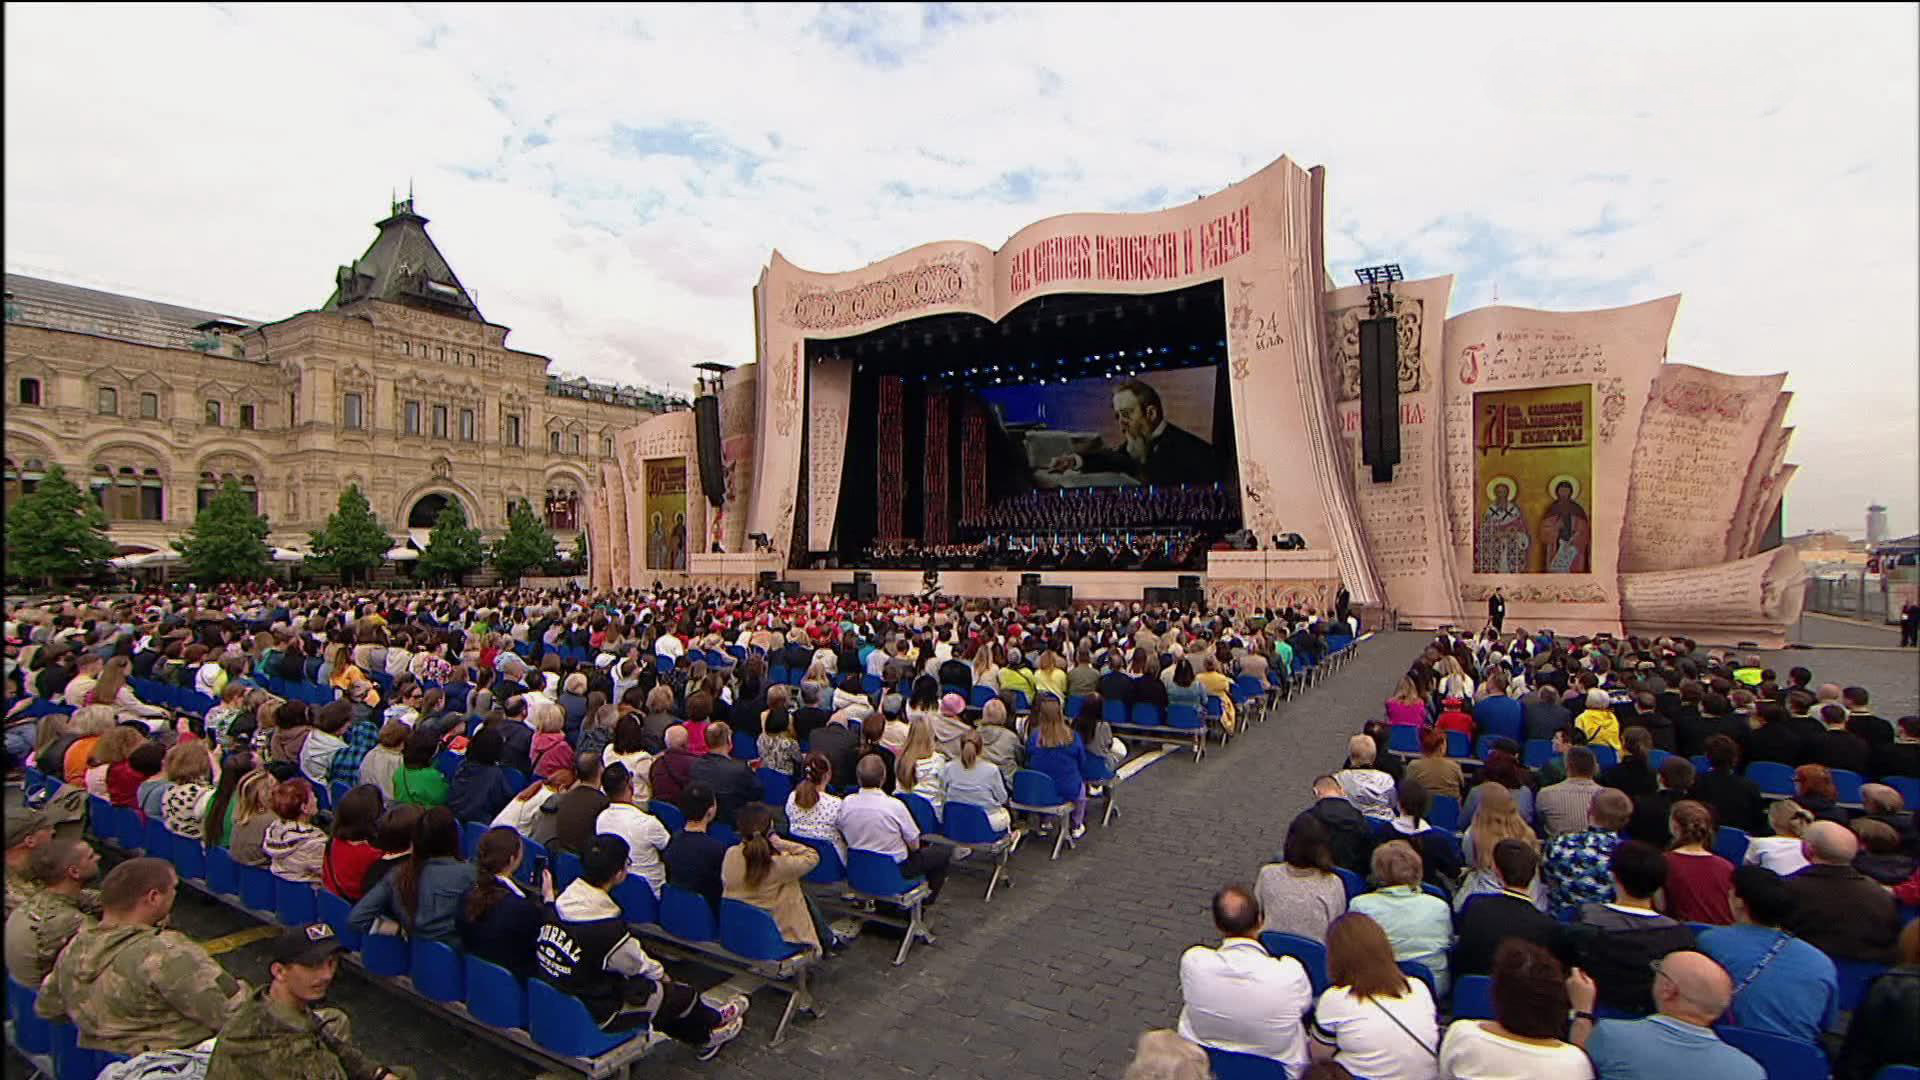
[1123, 352]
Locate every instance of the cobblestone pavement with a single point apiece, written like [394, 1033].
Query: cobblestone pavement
[1059, 975]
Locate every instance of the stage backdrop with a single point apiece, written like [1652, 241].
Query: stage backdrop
[667, 514]
[1081, 418]
[1261, 238]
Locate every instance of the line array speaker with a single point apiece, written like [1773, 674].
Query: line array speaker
[1380, 396]
[713, 473]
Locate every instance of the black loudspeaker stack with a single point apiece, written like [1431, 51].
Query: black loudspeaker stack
[1184, 596]
[1047, 597]
[1029, 580]
[1380, 396]
[859, 590]
[713, 472]
[770, 582]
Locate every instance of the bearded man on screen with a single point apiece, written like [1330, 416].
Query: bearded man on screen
[1154, 452]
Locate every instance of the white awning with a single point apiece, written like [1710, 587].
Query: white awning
[402, 553]
[289, 555]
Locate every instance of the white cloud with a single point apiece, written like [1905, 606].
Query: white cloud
[1764, 166]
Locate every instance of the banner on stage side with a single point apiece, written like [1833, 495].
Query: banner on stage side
[667, 514]
[1533, 478]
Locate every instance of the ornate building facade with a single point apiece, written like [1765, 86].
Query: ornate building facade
[397, 383]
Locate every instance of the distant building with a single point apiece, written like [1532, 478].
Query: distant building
[1876, 524]
[396, 383]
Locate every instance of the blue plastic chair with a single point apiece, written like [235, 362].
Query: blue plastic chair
[1781, 1057]
[874, 685]
[471, 833]
[1417, 970]
[980, 695]
[775, 784]
[1234, 1065]
[968, 824]
[1853, 977]
[669, 815]
[1457, 744]
[830, 871]
[1606, 757]
[223, 874]
[1444, 813]
[748, 931]
[637, 902]
[494, 995]
[1473, 997]
[334, 910]
[1020, 702]
[1700, 764]
[725, 833]
[31, 1034]
[531, 853]
[1147, 714]
[385, 954]
[448, 763]
[1846, 784]
[566, 867]
[1311, 954]
[1731, 844]
[1773, 777]
[1909, 789]
[1355, 884]
[1898, 1072]
[1074, 704]
[1114, 712]
[924, 815]
[293, 902]
[1656, 758]
[779, 676]
[1536, 752]
[560, 1023]
[1184, 717]
[1247, 688]
[338, 790]
[256, 887]
[663, 663]
[437, 972]
[878, 875]
[1404, 738]
[746, 747]
[156, 840]
[1484, 745]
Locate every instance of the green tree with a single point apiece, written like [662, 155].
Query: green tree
[57, 533]
[528, 543]
[228, 541]
[453, 547]
[580, 553]
[352, 542]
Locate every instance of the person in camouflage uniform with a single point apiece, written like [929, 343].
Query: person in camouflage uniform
[128, 984]
[28, 830]
[278, 1032]
[41, 927]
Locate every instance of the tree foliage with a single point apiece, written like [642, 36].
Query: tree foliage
[527, 544]
[57, 533]
[228, 540]
[453, 547]
[353, 541]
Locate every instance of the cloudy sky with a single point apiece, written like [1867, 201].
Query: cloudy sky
[610, 180]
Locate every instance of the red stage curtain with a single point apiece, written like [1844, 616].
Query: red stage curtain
[890, 479]
[973, 459]
[938, 520]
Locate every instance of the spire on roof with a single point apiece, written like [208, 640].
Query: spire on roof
[403, 266]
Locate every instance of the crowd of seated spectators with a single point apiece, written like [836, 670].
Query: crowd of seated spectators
[568, 722]
[1617, 934]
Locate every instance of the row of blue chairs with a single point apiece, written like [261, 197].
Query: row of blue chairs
[169, 696]
[555, 1023]
[52, 1047]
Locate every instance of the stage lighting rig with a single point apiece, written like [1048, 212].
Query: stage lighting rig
[1380, 279]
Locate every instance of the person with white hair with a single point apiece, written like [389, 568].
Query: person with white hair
[1598, 722]
[1164, 1055]
[1371, 791]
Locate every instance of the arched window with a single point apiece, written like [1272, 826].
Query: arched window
[562, 508]
[107, 402]
[553, 441]
[153, 505]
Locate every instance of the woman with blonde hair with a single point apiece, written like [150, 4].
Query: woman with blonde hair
[344, 672]
[1454, 681]
[920, 764]
[1219, 687]
[113, 747]
[1054, 749]
[1497, 819]
[112, 689]
[1406, 707]
[1781, 852]
[253, 812]
[189, 768]
[764, 869]
[986, 671]
[1048, 676]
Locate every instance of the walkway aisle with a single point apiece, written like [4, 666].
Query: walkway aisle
[1059, 975]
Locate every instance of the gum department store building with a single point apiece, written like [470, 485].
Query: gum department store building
[397, 383]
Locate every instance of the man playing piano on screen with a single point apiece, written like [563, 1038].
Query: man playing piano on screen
[1154, 451]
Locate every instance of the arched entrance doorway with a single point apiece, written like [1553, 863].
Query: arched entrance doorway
[426, 511]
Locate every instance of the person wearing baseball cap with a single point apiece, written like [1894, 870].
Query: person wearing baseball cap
[27, 831]
[280, 1030]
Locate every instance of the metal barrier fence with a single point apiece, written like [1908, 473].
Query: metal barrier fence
[1852, 596]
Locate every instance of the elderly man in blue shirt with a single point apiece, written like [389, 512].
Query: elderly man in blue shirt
[1691, 992]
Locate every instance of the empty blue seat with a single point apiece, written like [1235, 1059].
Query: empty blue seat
[1444, 813]
[494, 995]
[1907, 786]
[437, 972]
[559, 1022]
[1772, 777]
[155, 840]
[336, 912]
[1074, 704]
[1113, 711]
[256, 887]
[1473, 997]
[636, 900]
[1781, 1057]
[779, 676]
[749, 931]
[1311, 954]
[293, 902]
[1846, 783]
[1404, 738]
[1234, 1065]
[338, 790]
[669, 815]
[1605, 756]
[1484, 745]
[385, 954]
[776, 785]
[223, 874]
[1457, 744]
[1035, 790]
